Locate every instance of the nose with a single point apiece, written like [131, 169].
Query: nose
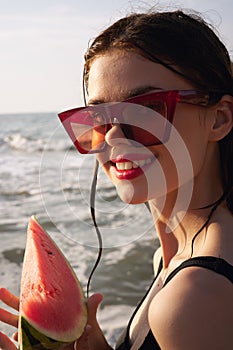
[115, 135]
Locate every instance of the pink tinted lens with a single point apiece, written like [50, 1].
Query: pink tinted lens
[85, 130]
[142, 119]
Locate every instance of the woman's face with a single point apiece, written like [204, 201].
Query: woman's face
[143, 173]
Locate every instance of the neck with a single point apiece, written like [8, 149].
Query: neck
[183, 215]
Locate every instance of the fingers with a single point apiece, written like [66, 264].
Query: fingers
[6, 343]
[92, 305]
[8, 318]
[93, 337]
[83, 342]
[9, 299]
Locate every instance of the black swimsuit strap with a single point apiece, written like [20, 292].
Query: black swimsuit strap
[126, 336]
[215, 264]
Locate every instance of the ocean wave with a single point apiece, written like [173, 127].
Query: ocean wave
[15, 192]
[20, 142]
[19, 192]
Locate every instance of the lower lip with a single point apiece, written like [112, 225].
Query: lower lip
[130, 174]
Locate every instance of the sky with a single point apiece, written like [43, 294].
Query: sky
[43, 43]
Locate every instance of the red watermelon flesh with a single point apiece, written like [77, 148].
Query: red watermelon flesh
[51, 301]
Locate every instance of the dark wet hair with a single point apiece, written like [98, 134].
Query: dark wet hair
[185, 44]
[188, 46]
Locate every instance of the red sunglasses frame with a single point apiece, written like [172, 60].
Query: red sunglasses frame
[114, 109]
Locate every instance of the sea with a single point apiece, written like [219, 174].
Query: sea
[42, 174]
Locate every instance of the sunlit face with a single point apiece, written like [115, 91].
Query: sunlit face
[144, 173]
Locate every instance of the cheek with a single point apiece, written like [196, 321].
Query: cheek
[191, 130]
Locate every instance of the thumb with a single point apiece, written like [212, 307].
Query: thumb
[92, 306]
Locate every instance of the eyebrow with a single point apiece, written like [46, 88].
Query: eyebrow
[129, 94]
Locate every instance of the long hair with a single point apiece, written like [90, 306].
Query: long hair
[185, 44]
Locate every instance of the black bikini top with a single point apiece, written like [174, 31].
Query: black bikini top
[217, 265]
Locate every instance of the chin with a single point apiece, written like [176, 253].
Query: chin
[131, 194]
[148, 185]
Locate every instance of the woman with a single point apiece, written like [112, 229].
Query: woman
[174, 77]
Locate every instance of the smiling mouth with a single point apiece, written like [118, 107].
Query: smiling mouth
[129, 165]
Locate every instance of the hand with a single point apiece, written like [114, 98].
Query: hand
[92, 338]
[12, 319]
[9, 318]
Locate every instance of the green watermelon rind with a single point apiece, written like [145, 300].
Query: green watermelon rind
[33, 339]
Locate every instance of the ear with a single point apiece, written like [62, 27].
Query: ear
[222, 121]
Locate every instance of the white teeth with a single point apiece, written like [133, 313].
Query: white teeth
[120, 166]
[128, 166]
[132, 165]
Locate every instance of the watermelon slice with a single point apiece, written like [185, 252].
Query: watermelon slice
[53, 311]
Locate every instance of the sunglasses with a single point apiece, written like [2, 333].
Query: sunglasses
[145, 119]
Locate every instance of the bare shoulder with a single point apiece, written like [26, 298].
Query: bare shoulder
[194, 311]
